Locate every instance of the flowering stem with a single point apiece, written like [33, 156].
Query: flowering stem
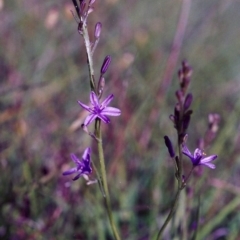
[181, 184]
[170, 214]
[89, 55]
[180, 187]
[104, 180]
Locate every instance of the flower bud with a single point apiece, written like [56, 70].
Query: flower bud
[98, 28]
[105, 64]
[188, 101]
[169, 146]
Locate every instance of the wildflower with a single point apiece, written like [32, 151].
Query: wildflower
[198, 157]
[99, 110]
[82, 166]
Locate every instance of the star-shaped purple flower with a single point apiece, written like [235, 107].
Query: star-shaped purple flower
[82, 166]
[198, 157]
[99, 110]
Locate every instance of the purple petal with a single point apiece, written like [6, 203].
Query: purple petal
[77, 177]
[75, 159]
[94, 99]
[210, 165]
[186, 152]
[106, 101]
[86, 154]
[197, 153]
[85, 106]
[111, 111]
[104, 118]
[208, 159]
[89, 119]
[70, 171]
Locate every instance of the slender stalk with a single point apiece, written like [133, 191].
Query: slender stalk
[173, 208]
[104, 180]
[175, 201]
[89, 55]
[181, 184]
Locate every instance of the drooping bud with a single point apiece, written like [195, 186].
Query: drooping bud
[169, 146]
[98, 29]
[105, 64]
[188, 101]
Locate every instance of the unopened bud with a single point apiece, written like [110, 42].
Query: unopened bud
[188, 101]
[101, 84]
[105, 64]
[169, 146]
[98, 29]
[179, 95]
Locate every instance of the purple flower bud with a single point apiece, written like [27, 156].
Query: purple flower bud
[169, 146]
[105, 64]
[98, 28]
[186, 119]
[188, 101]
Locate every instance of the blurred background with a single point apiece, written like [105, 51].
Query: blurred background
[43, 72]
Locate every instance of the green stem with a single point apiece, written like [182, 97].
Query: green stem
[104, 180]
[89, 55]
[173, 208]
[181, 185]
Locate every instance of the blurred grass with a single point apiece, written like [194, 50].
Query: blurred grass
[44, 73]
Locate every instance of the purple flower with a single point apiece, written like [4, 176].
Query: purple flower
[198, 157]
[82, 166]
[99, 110]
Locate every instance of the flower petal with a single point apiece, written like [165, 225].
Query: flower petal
[89, 119]
[86, 154]
[104, 118]
[75, 159]
[106, 101]
[210, 165]
[77, 176]
[186, 152]
[111, 111]
[70, 171]
[85, 106]
[208, 159]
[94, 99]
